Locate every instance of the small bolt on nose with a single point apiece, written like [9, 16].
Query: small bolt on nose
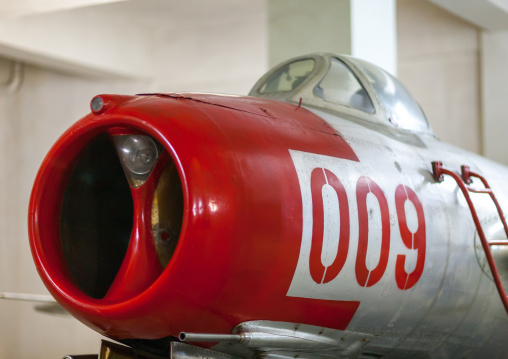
[97, 104]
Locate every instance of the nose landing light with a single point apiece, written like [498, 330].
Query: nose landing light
[138, 155]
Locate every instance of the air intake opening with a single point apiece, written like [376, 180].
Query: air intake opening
[96, 218]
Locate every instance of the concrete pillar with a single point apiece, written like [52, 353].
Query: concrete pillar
[361, 28]
[494, 53]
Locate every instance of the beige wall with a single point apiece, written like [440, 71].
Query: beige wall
[300, 27]
[360, 28]
[438, 56]
[494, 94]
[222, 54]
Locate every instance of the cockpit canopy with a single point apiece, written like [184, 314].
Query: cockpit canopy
[346, 85]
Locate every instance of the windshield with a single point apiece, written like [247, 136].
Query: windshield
[288, 77]
[341, 86]
[400, 106]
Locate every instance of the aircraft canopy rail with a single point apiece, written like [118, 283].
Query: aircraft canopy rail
[462, 181]
[345, 85]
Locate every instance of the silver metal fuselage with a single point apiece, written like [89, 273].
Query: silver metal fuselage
[454, 309]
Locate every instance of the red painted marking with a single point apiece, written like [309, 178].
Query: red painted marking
[318, 271]
[365, 277]
[411, 240]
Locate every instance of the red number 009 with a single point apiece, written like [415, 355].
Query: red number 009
[321, 274]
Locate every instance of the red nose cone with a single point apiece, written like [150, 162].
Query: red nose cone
[224, 186]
